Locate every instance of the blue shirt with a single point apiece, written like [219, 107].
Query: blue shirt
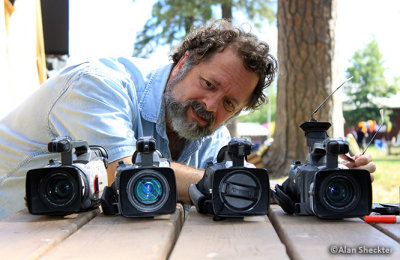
[109, 102]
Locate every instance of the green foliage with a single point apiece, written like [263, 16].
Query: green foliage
[256, 10]
[369, 81]
[261, 115]
[172, 19]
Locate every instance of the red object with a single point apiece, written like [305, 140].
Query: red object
[382, 219]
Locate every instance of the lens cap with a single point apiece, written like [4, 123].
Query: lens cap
[240, 190]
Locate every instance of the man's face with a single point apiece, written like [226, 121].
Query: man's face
[200, 100]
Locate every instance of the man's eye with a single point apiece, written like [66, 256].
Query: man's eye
[208, 84]
[229, 106]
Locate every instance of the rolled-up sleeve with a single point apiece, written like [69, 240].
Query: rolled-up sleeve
[99, 108]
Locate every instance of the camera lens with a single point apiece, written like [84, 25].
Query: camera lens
[58, 189]
[339, 191]
[147, 190]
[61, 189]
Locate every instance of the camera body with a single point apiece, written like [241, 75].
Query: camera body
[145, 189]
[320, 187]
[72, 185]
[232, 187]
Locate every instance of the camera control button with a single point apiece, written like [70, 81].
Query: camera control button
[96, 185]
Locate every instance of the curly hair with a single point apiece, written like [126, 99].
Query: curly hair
[203, 42]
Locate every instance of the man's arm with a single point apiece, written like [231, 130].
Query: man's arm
[112, 167]
[185, 175]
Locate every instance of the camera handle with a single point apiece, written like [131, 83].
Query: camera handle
[145, 149]
[238, 149]
[333, 149]
[65, 146]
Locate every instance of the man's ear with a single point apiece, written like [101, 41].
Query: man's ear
[179, 65]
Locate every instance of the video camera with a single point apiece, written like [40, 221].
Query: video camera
[69, 186]
[232, 187]
[145, 189]
[320, 187]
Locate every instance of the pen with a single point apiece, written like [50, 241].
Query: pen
[382, 219]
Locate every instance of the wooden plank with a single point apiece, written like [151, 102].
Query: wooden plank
[117, 237]
[392, 230]
[307, 237]
[249, 238]
[26, 236]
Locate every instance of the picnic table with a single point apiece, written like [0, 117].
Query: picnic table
[93, 235]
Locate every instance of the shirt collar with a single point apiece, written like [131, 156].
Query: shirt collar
[152, 102]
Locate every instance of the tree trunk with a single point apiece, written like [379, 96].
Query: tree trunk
[305, 53]
[226, 10]
[189, 20]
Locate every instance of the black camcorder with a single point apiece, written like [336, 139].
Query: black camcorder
[320, 187]
[232, 187]
[72, 185]
[145, 189]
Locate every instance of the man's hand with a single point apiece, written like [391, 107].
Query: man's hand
[362, 162]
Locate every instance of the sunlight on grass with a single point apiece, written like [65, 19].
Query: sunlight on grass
[387, 175]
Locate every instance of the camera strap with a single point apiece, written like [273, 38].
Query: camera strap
[202, 203]
[283, 199]
[109, 201]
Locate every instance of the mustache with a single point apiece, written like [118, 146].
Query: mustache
[201, 111]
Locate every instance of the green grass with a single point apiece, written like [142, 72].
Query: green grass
[386, 186]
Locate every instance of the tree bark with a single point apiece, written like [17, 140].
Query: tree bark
[226, 9]
[305, 54]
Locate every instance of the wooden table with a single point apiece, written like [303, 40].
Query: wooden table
[92, 235]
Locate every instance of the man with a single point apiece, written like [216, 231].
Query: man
[217, 71]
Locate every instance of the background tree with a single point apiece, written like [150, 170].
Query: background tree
[305, 54]
[369, 81]
[172, 19]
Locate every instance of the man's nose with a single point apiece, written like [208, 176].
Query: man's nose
[212, 102]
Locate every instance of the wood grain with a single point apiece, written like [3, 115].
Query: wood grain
[117, 237]
[392, 230]
[308, 237]
[26, 236]
[249, 238]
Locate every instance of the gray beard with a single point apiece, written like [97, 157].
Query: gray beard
[177, 114]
